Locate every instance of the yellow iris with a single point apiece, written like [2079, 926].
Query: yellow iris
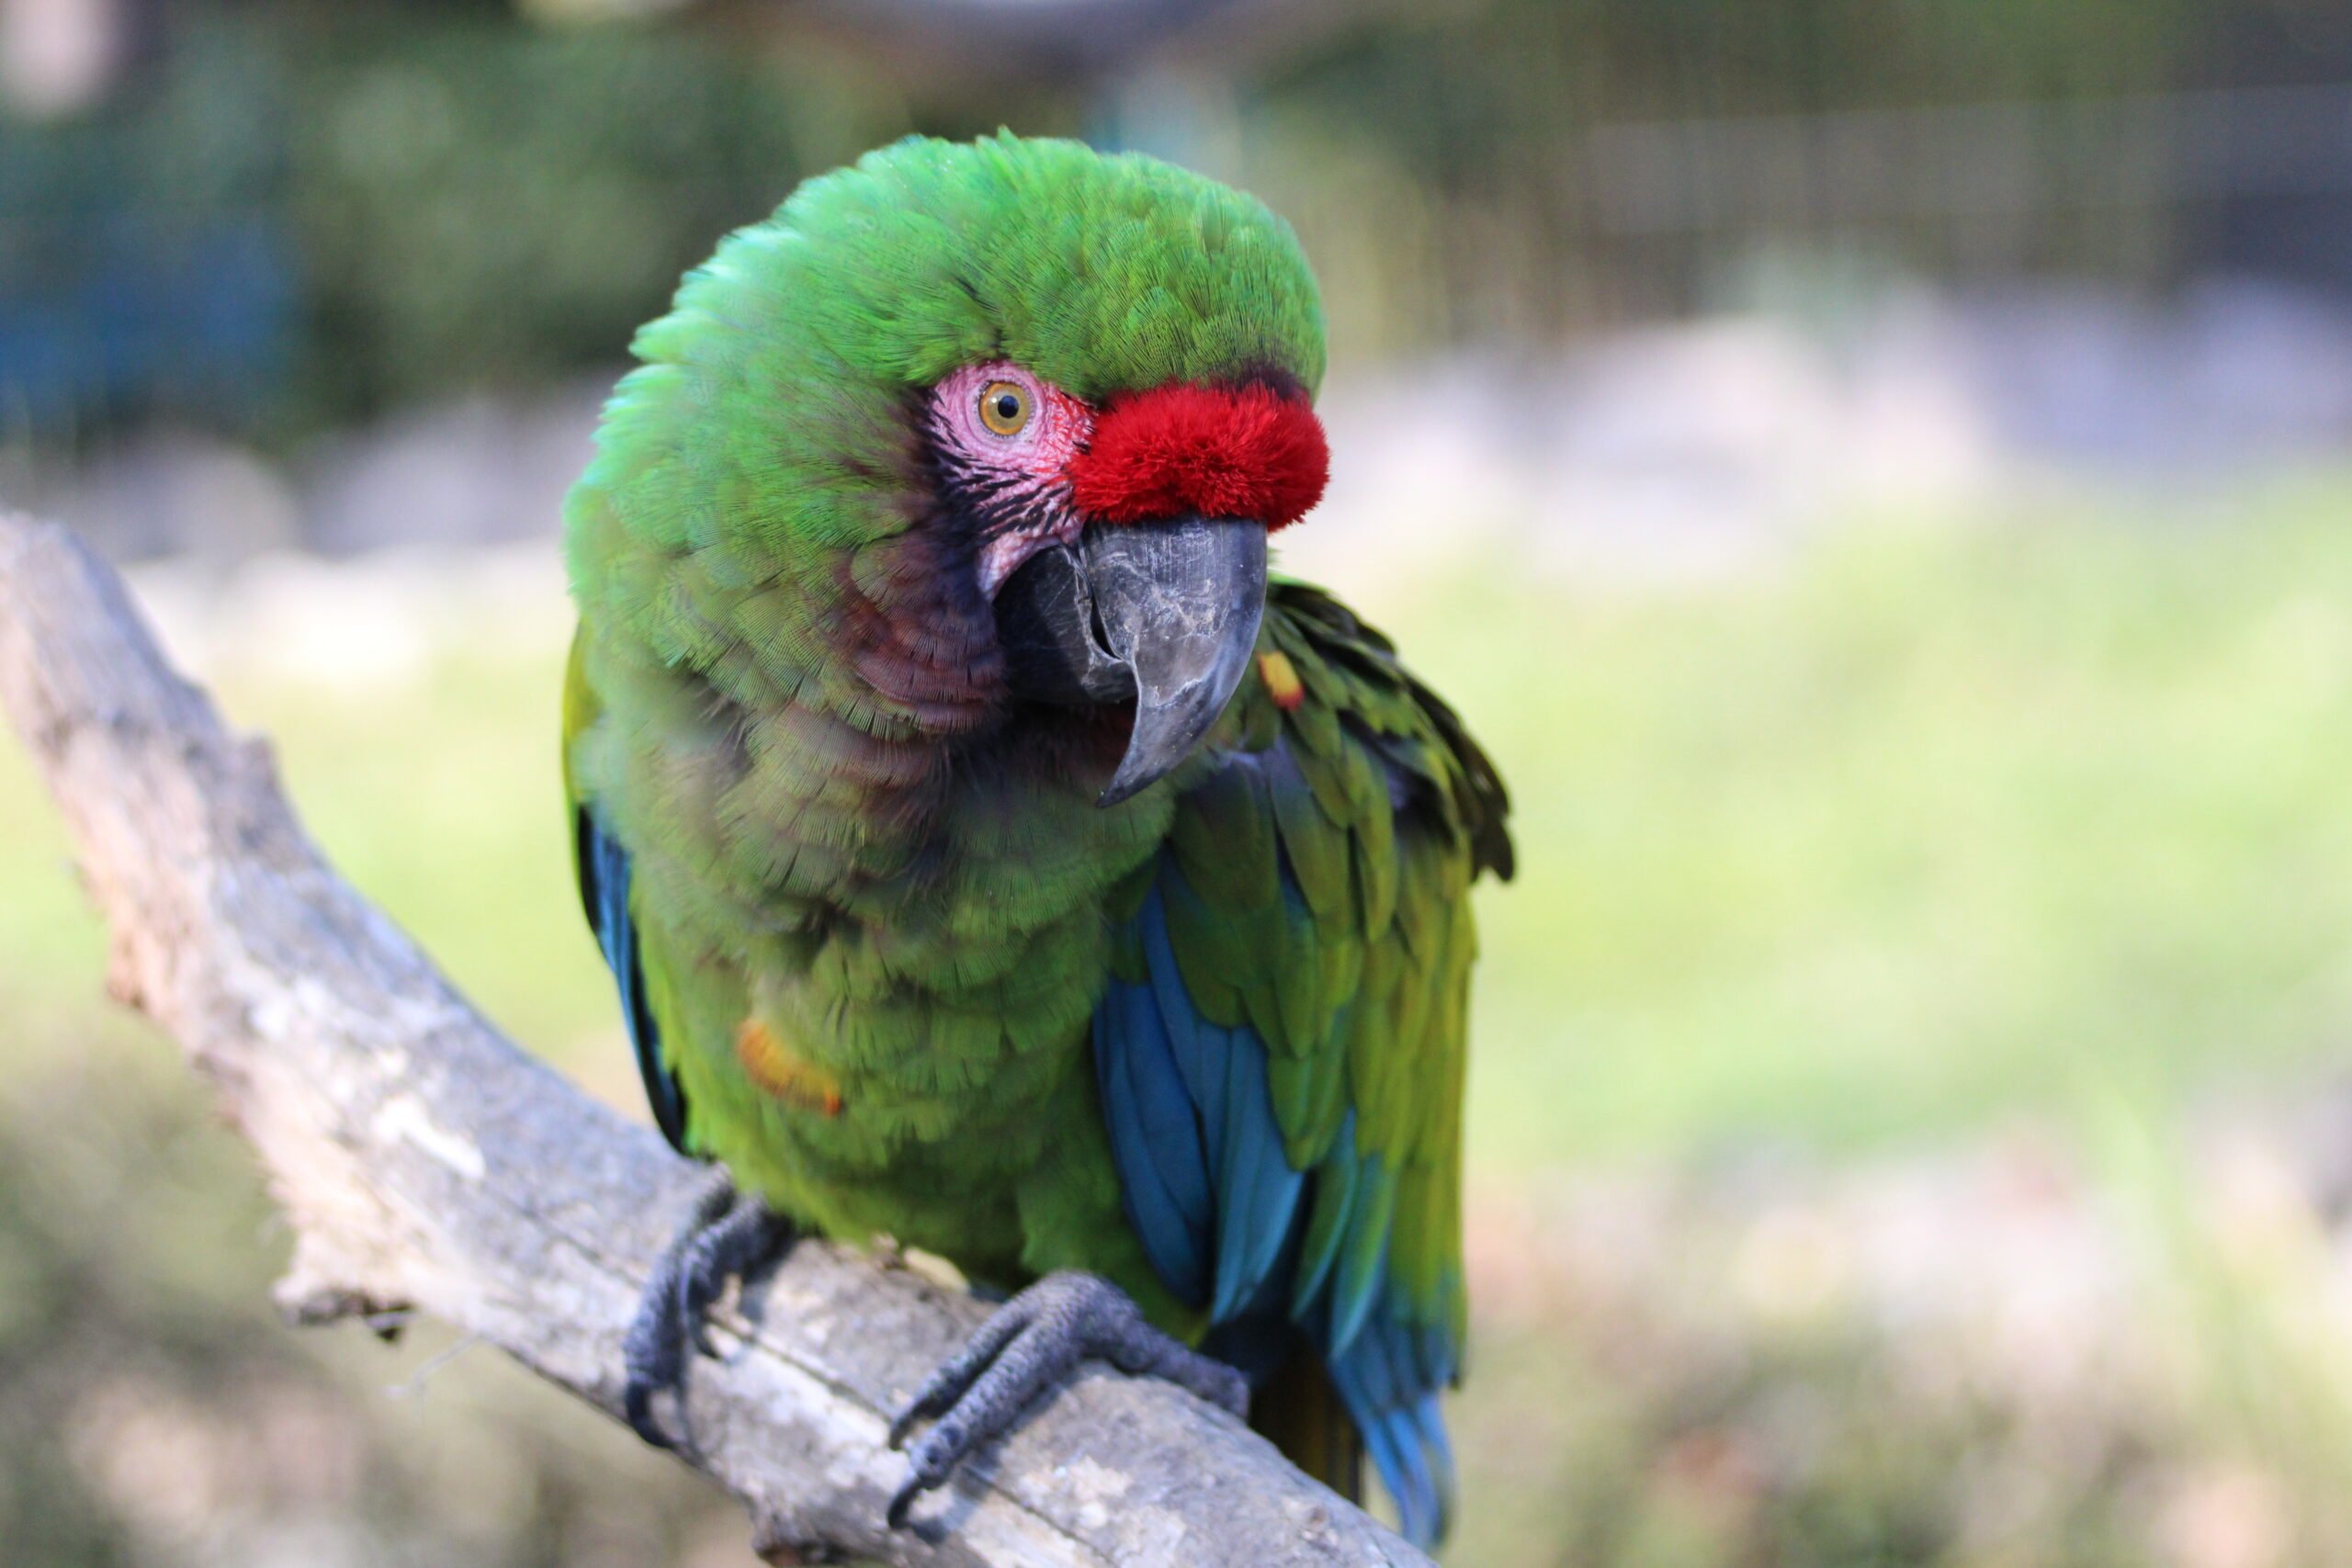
[1004, 407]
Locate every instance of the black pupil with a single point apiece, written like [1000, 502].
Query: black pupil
[1008, 406]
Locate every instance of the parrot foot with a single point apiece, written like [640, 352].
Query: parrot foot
[1028, 1344]
[727, 1234]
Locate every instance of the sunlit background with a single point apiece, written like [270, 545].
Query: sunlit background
[1875, 473]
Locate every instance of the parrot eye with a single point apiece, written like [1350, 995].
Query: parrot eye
[1004, 407]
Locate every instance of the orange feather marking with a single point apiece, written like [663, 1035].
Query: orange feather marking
[784, 1072]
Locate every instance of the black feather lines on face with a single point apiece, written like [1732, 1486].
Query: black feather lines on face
[975, 503]
[951, 526]
[988, 502]
[970, 504]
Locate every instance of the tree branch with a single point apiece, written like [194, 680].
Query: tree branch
[425, 1161]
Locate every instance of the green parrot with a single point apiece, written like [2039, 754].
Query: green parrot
[989, 854]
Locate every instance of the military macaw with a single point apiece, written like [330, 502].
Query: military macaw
[990, 854]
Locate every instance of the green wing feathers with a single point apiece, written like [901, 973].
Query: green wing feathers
[1311, 914]
[1323, 902]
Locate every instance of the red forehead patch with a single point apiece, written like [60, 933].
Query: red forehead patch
[1219, 451]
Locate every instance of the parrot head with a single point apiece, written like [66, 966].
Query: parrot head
[1124, 547]
[964, 427]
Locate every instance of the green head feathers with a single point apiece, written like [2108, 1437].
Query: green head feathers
[769, 441]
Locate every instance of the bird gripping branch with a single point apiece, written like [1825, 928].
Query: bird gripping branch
[988, 853]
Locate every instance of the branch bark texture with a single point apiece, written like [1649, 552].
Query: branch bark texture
[425, 1162]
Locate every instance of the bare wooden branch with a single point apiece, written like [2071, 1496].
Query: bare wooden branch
[425, 1162]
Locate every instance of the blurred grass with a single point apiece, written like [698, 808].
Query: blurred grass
[1942, 821]
[1927, 824]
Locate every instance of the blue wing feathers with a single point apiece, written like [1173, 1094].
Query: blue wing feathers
[1393, 1439]
[1382, 1441]
[1166, 1122]
[1430, 1419]
[1156, 1142]
[1404, 1430]
[1363, 1256]
[1336, 1186]
[603, 869]
[1259, 1190]
[1224, 1219]
[1198, 1057]
[1441, 1361]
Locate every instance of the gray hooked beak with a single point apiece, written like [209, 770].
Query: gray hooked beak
[1164, 613]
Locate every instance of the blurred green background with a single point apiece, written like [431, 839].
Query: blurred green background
[1875, 475]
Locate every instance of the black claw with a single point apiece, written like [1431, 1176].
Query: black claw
[726, 1236]
[933, 1461]
[903, 1426]
[902, 1500]
[1027, 1345]
[645, 1372]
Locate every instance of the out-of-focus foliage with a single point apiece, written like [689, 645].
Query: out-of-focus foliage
[286, 216]
[286, 213]
[143, 247]
[477, 201]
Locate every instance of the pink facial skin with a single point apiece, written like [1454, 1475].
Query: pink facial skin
[1018, 484]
